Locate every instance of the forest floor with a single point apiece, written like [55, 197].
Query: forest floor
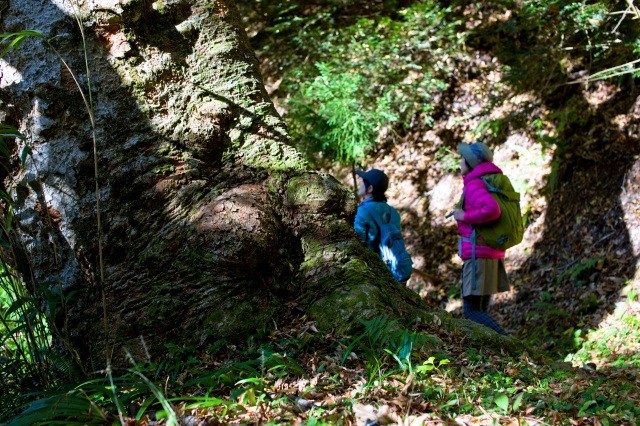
[314, 379]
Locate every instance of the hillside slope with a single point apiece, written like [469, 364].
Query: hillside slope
[570, 148]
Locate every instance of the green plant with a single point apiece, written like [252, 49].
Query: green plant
[179, 360]
[29, 332]
[449, 160]
[14, 40]
[279, 365]
[26, 363]
[593, 16]
[576, 272]
[383, 340]
[25, 359]
[505, 405]
[586, 17]
[430, 365]
[615, 344]
[588, 36]
[335, 119]
[72, 408]
[401, 348]
[95, 402]
[373, 74]
[168, 412]
[619, 70]
[493, 128]
[375, 333]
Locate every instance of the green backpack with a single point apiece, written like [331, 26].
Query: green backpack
[507, 230]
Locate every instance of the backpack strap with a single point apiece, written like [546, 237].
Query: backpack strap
[370, 209]
[511, 195]
[472, 240]
[377, 220]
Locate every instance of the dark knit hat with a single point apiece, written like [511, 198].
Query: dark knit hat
[475, 153]
[375, 178]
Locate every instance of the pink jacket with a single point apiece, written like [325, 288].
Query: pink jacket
[479, 207]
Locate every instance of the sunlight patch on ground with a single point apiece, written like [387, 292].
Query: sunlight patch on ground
[444, 195]
[599, 92]
[630, 203]
[616, 342]
[396, 192]
[454, 305]
[528, 165]
[628, 123]
[518, 101]
[9, 75]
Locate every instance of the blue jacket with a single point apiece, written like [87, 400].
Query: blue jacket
[365, 226]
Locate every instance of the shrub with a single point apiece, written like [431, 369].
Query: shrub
[373, 74]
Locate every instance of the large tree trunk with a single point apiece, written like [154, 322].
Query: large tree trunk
[212, 225]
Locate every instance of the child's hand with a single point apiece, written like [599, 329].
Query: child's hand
[458, 214]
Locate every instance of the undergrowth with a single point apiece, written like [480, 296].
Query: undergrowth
[298, 375]
[377, 74]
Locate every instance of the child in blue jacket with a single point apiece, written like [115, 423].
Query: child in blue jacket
[371, 188]
[374, 212]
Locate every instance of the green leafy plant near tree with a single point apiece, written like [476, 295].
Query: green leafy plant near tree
[449, 160]
[26, 361]
[546, 46]
[600, 37]
[26, 328]
[334, 119]
[379, 73]
[382, 73]
[616, 344]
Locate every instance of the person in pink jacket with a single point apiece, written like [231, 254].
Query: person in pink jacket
[483, 271]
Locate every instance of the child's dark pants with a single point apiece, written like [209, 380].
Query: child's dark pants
[475, 309]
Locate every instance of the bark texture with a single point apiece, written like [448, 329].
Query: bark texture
[213, 227]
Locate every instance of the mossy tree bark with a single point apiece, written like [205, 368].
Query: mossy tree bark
[213, 226]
